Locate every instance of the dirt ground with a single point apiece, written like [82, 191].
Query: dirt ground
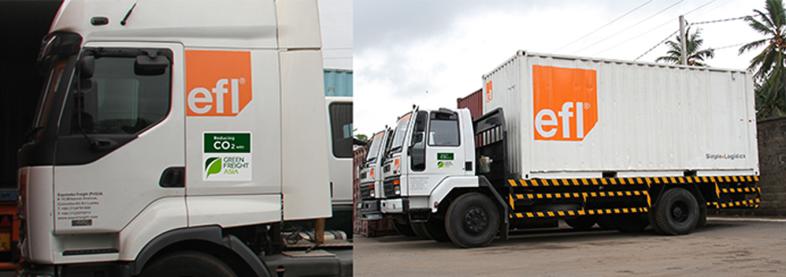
[725, 247]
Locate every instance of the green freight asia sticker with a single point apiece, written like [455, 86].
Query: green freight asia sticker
[226, 157]
[444, 160]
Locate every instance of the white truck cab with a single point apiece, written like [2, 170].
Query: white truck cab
[173, 132]
[371, 175]
[432, 152]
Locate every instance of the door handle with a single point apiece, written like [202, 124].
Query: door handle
[173, 177]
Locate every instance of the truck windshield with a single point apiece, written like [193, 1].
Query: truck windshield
[401, 131]
[376, 144]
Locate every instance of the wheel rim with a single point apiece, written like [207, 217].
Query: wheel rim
[679, 211]
[476, 220]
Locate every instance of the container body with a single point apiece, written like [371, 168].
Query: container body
[580, 117]
[338, 82]
[473, 102]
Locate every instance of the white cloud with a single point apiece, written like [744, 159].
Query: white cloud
[396, 72]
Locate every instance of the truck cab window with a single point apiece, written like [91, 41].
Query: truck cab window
[341, 129]
[443, 129]
[418, 142]
[118, 100]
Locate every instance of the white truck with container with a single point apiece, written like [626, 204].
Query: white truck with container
[585, 140]
[170, 141]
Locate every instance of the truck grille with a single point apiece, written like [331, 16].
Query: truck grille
[389, 187]
[366, 190]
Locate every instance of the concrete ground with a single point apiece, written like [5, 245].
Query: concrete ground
[725, 247]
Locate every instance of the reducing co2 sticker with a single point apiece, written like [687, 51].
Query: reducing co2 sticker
[226, 157]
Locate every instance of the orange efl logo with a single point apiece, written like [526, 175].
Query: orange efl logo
[488, 91]
[218, 82]
[565, 102]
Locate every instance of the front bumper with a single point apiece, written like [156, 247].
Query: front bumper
[392, 206]
[370, 210]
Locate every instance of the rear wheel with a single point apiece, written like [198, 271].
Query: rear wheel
[581, 223]
[677, 212]
[472, 220]
[188, 264]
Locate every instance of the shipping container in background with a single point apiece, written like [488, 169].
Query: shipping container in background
[636, 119]
[338, 82]
[473, 102]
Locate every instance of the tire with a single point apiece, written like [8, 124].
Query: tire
[581, 223]
[632, 223]
[188, 263]
[403, 229]
[472, 220]
[677, 212]
[436, 230]
[420, 230]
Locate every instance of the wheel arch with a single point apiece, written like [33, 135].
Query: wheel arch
[484, 187]
[207, 239]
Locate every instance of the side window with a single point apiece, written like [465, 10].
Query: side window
[341, 129]
[417, 151]
[117, 99]
[443, 129]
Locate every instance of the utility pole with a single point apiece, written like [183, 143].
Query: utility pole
[683, 42]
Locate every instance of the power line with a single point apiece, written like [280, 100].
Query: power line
[720, 20]
[605, 25]
[699, 7]
[630, 39]
[698, 23]
[729, 46]
[656, 45]
[631, 26]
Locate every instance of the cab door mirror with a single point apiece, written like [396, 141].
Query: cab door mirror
[147, 65]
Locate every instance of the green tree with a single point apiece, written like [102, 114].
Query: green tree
[768, 64]
[695, 57]
[361, 137]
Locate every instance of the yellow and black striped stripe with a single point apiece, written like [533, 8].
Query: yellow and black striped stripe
[630, 181]
[743, 203]
[571, 213]
[569, 195]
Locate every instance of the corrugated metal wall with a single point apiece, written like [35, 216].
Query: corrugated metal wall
[338, 82]
[473, 102]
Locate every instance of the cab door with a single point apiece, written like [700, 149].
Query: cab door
[436, 151]
[120, 142]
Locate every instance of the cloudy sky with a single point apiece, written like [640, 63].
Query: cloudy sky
[431, 52]
[336, 24]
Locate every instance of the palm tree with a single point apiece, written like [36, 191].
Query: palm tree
[695, 57]
[768, 64]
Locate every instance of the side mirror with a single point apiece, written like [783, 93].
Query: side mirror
[147, 65]
[87, 66]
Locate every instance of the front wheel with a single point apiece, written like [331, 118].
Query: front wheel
[188, 263]
[472, 220]
[677, 212]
